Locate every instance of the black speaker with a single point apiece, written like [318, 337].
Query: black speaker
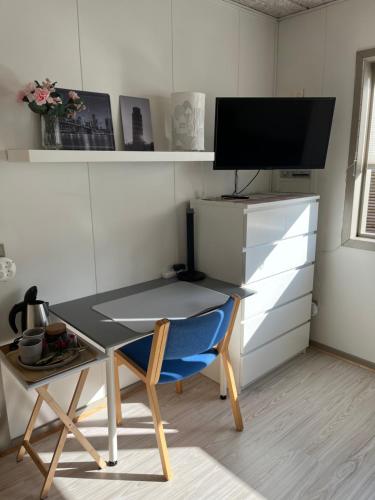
[191, 274]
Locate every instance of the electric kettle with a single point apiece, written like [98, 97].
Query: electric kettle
[34, 312]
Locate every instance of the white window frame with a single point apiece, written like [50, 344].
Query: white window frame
[357, 182]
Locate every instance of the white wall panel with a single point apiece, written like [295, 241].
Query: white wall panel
[189, 184]
[134, 222]
[205, 52]
[45, 219]
[301, 49]
[126, 50]
[35, 42]
[258, 36]
[300, 66]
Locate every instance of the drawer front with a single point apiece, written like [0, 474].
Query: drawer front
[277, 290]
[267, 226]
[266, 260]
[264, 327]
[268, 357]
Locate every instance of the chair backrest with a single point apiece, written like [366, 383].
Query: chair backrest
[195, 335]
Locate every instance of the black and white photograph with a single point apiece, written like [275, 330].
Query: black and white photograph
[91, 128]
[136, 123]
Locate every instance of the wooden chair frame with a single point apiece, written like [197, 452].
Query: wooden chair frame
[151, 378]
[67, 420]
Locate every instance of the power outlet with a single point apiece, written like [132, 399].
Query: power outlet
[2, 250]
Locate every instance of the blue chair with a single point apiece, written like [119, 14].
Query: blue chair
[177, 350]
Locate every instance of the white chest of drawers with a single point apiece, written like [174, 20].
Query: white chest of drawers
[267, 245]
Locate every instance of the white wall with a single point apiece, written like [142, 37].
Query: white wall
[75, 229]
[316, 51]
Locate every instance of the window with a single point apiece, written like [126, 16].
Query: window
[359, 215]
[367, 221]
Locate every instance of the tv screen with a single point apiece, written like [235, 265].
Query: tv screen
[272, 133]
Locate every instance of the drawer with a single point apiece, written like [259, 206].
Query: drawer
[264, 327]
[266, 260]
[267, 226]
[277, 290]
[268, 357]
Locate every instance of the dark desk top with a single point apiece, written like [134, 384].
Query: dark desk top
[80, 315]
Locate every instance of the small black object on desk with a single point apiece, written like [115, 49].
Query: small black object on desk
[191, 274]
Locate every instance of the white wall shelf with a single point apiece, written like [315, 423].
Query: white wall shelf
[59, 156]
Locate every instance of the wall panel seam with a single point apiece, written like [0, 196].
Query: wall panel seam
[88, 165]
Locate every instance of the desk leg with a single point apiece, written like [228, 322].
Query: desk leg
[223, 380]
[111, 402]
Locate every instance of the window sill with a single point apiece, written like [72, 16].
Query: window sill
[361, 243]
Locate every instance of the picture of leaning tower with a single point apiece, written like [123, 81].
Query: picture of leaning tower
[137, 122]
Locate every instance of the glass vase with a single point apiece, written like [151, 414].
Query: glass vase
[51, 136]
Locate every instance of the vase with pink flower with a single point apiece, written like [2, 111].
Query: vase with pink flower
[42, 98]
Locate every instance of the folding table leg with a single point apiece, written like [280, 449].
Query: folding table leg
[67, 421]
[30, 426]
[63, 434]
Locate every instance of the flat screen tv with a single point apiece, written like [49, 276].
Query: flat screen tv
[272, 133]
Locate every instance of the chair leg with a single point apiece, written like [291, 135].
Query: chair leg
[232, 389]
[118, 393]
[160, 437]
[179, 387]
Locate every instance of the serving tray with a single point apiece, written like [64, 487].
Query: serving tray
[51, 366]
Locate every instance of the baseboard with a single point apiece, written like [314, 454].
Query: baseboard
[363, 363]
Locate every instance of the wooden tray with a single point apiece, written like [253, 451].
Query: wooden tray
[36, 376]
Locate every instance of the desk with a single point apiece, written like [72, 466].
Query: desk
[109, 336]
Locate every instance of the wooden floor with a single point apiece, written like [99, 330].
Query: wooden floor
[309, 434]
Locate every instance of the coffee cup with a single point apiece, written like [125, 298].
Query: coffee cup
[30, 350]
[34, 333]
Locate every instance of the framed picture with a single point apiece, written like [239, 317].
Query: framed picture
[91, 129]
[136, 123]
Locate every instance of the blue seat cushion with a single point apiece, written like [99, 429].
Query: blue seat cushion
[171, 370]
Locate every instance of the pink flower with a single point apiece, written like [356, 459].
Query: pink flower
[47, 84]
[26, 92]
[73, 95]
[20, 95]
[54, 100]
[41, 95]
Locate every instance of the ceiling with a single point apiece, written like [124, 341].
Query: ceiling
[282, 8]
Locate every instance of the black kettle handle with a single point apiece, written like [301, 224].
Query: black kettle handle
[13, 313]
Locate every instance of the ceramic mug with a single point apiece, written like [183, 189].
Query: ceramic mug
[34, 333]
[30, 350]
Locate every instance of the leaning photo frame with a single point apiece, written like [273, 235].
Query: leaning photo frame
[90, 129]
